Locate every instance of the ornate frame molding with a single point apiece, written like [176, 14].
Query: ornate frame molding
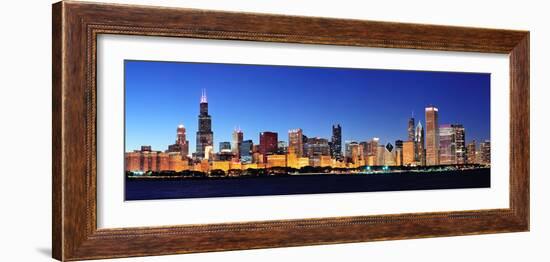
[76, 26]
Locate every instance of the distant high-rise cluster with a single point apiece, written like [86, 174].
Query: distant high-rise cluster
[437, 144]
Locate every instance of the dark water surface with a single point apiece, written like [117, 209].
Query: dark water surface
[143, 189]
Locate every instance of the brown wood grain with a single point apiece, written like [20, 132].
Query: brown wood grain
[76, 26]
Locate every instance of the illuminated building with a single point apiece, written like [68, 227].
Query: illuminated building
[249, 166]
[337, 163]
[255, 149]
[294, 161]
[447, 146]
[371, 161]
[292, 158]
[471, 153]
[296, 141]
[147, 160]
[320, 161]
[268, 144]
[237, 139]
[257, 158]
[355, 152]
[208, 152]
[398, 144]
[205, 136]
[352, 152]
[398, 152]
[325, 161]
[176, 162]
[282, 147]
[202, 166]
[225, 147]
[410, 129]
[485, 152]
[380, 154]
[315, 161]
[221, 165]
[223, 156]
[432, 136]
[236, 165]
[182, 144]
[276, 161]
[389, 155]
[164, 161]
[316, 146]
[347, 150]
[365, 149]
[246, 151]
[336, 142]
[460, 142]
[373, 152]
[398, 157]
[303, 161]
[408, 153]
[419, 150]
[132, 161]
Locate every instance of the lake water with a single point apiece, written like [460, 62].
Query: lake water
[143, 189]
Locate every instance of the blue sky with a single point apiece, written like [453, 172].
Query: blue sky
[365, 102]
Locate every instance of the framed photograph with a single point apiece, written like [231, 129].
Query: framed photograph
[181, 130]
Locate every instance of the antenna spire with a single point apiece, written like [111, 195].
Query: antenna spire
[203, 96]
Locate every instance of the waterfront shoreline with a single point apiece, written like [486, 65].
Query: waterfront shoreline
[146, 188]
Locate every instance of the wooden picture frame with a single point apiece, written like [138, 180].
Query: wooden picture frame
[76, 26]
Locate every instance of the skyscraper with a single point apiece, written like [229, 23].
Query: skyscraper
[380, 154]
[447, 145]
[282, 147]
[485, 152]
[205, 136]
[182, 144]
[460, 142]
[408, 153]
[365, 149]
[296, 141]
[471, 152]
[398, 152]
[336, 142]
[317, 146]
[419, 151]
[432, 136]
[353, 152]
[410, 129]
[347, 150]
[245, 151]
[398, 144]
[373, 153]
[237, 139]
[268, 144]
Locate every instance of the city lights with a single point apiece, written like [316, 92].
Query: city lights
[442, 144]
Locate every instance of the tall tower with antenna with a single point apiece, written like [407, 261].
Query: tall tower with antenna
[205, 136]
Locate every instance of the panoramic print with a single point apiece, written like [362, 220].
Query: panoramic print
[195, 130]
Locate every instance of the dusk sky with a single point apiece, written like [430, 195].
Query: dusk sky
[366, 103]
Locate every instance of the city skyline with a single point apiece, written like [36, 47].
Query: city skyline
[150, 122]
